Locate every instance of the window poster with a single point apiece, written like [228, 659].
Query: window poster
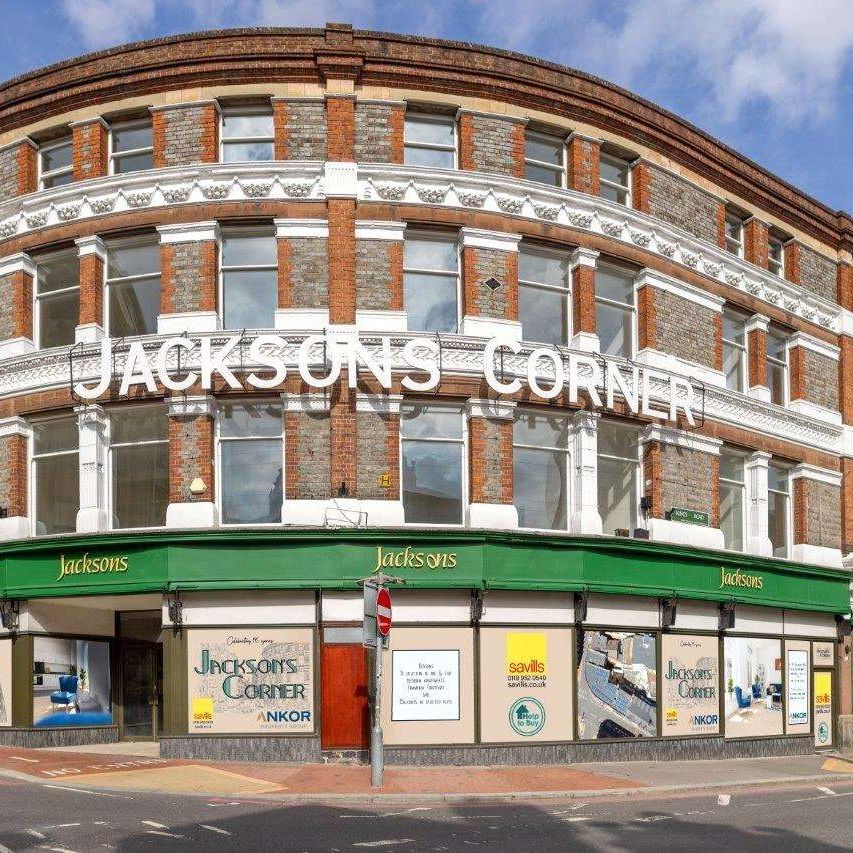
[823, 709]
[243, 680]
[797, 690]
[428, 686]
[71, 682]
[690, 684]
[5, 682]
[617, 684]
[823, 654]
[753, 685]
[525, 684]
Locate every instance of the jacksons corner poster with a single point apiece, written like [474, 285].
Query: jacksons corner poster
[243, 680]
[690, 685]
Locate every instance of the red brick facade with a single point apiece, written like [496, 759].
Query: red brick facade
[584, 164]
[340, 121]
[583, 299]
[190, 456]
[756, 246]
[342, 260]
[90, 149]
[91, 290]
[490, 460]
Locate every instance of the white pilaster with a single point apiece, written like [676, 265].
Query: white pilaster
[14, 526]
[93, 514]
[757, 538]
[585, 516]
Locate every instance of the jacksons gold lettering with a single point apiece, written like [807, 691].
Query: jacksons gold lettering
[87, 565]
[410, 558]
[739, 579]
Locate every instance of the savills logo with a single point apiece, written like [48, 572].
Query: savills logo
[737, 578]
[533, 667]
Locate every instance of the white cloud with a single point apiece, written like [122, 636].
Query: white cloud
[104, 23]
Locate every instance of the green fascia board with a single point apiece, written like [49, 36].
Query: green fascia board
[340, 559]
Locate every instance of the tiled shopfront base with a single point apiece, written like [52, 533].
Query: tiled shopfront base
[256, 749]
[46, 738]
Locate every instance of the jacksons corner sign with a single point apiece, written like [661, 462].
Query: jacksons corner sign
[321, 359]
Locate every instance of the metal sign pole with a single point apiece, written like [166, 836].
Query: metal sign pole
[377, 756]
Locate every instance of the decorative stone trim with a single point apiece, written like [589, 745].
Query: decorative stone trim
[801, 339]
[91, 246]
[501, 410]
[584, 258]
[461, 111]
[185, 105]
[813, 410]
[805, 471]
[314, 403]
[650, 278]
[681, 438]
[18, 262]
[585, 137]
[341, 180]
[390, 231]
[317, 228]
[24, 140]
[757, 323]
[380, 404]
[478, 238]
[191, 406]
[190, 232]
[15, 426]
[93, 120]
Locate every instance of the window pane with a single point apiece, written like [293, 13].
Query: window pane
[58, 319]
[430, 302]
[140, 485]
[258, 124]
[435, 131]
[544, 148]
[777, 523]
[248, 250]
[251, 481]
[615, 171]
[138, 424]
[57, 485]
[430, 422]
[617, 195]
[615, 330]
[133, 163]
[58, 272]
[239, 152]
[241, 420]
[733, 367]
[54, 435]
[425, 254]
[56, 158]
[250, 298]
[544, 269]
[543, 315]
[432, 482]
[131, 137]
[58, 180]
[776, 382]
[133, 259]
[540, 488]
[543, 175]
[611, 284]
[617, 499]
[777, 478]
[777, 345]
[733, 229]
[134, 306]
[617, 440]
[731, 515]
[430, 157]
[540, 429]
[734, 327]
[731, 466]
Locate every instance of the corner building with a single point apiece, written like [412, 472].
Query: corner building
[282, 308]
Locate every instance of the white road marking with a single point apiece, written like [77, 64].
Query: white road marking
[214, 829]
[154, 824]
[385, 842]
[21, 758]
[392, 814]
[57, 849]
[573, 819]
[160, 832]
[5, 849]
[86, 791]
[35, 834]
[724, 799]
[828, 791]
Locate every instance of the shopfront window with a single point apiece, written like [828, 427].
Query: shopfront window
[753, 686]
[734, 349]
[544, 158]
[55, 475]
[541, 466]
[429, 140]
[431, 283]
[251, 462]
[139, 466]
[433, 461]
[614, 302]
[779, 508]
[57, 298]
[249, 279]
[618, 476]
[133, 287]
[732, 498]
[543, 296]
[247, 134]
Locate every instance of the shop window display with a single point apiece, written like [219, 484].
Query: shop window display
[753, 686]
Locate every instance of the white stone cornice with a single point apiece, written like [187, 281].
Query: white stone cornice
[816, 411]
[499, 410]
[191, 406]
[92, 414]
[24, 140]
[819, 475]
[681, 438]
[15, 426]
[310, 228]
[584, 136]
[189, 232]
[479, 238]
[18, 262]
[758, 458]
[93, 245]
[208, 102]
[486, 114]
[815, 345]
[651, 278]
[582, 257]
[385, 102]
[318, 99]
[845, 322]
[382, 230]
[310, 402]
[340, 179]
[757, 323]
[380, 404]
[91, 120]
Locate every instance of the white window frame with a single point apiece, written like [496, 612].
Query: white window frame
[239, 231]
[741, 485]
[776, 267]
[568, 454]
[37, 297]
[734, 245]
[639, 521]
[789, 519]
[248, 110]
[622, 188]
[463, 441]
[437, 236]
[122, 243]
[744, 350]
[783, 363]
[32, 457]
[219, 440]
[62, 170]
[434, 118]
[111, 446]
[604, 265]
[557, 169]
[114, 155]
[527, 248]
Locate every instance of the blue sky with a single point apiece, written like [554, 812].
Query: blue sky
[771, 78]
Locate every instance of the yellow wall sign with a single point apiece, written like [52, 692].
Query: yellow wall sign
[87, 565]
[526, 654]
[202, 709]
[740, 580]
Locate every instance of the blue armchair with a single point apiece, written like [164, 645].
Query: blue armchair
[67, 693]
[756, 691]
[742, 701]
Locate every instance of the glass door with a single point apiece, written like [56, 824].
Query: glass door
[141, 672]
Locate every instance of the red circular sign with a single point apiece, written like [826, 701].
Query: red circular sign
[383, 611]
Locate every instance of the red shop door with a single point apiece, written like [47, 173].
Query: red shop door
[345, 712]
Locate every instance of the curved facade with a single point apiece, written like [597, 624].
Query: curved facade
[282, 309]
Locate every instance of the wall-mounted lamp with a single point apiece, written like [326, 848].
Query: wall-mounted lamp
[175, 609]
[668, 609]
[727, 615]
[843, 627]
[581, 605]
[9, 614]
[197, 486]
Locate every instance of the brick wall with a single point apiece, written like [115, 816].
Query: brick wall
[681, 203]
[817, 513]
[342, 260]
[300, 129]
[184, 135]
[91, 289]
[188, 277]
[379, 133]
[13, 475]
[844, 286]
[583, 299]
[379, 275]
[491, 144]
[818, 273]
[307, 444]
[89, 149]
[18, 170]
[340, 128]
[756, 247]
[757, 357]
[16, 299]
[343, 439]
[303, 272]
[847, 505]
[490, 461]
[190, 456]
[813, 377]
[377, 454]
[845, 379]
[584, 165]
[480, 265]
[683, 478]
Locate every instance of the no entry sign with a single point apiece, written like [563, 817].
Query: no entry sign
[383, 611]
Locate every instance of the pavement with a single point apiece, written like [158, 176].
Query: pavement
[114, 769]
